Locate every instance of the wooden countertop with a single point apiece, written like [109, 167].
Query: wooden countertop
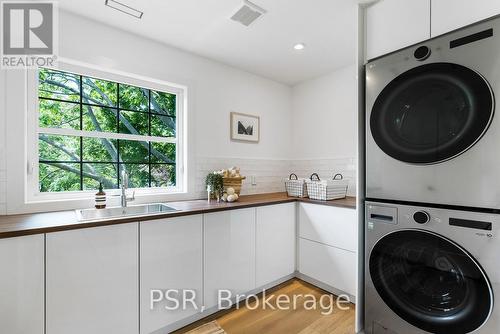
[37, 223]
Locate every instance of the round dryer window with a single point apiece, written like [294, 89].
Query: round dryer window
[431, 282]
[432, 113]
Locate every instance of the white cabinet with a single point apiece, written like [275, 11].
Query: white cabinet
[22, 285]
[170, 259]
[448, 15]
[92, 280]
[229, 253]
[330, 265]
[395, 24]
[275, 239]
[328, 245]
[333, 226]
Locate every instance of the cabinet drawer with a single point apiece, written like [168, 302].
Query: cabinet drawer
[332, 266]
[329, 225]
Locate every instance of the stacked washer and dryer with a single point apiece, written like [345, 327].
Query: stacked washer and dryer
[432, 261]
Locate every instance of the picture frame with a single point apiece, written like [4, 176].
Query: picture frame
[245, 127]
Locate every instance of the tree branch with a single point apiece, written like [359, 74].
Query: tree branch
[49, 141]
[113, 152]
[123, 119]
[129, 126]
[105, 182]
[156, 106]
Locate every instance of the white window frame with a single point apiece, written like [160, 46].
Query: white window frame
[32, 176]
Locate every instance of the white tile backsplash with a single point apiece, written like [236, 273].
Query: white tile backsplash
[327, 168]
[3, 194]
[3, 199]
[270, 174]
[3, 191]
[3, 157]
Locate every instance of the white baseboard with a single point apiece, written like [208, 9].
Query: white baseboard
[324, 286]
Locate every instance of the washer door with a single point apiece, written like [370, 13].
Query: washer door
[431, 282]
[432, 113]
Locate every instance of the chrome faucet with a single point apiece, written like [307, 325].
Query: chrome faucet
[124, 198]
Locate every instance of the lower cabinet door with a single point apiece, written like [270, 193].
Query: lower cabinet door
[92, 278]
[22, 285]
[171, 271]
[229, 254]
[330, 265]
[275, 239]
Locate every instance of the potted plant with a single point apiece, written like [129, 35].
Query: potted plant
[215, 185]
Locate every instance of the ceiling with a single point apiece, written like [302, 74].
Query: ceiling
[203, 27]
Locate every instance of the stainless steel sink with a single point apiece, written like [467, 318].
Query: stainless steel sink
[129, 211]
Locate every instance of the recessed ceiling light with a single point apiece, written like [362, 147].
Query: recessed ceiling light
[124, 8]
[299, 46]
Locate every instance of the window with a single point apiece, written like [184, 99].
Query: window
[90, 130]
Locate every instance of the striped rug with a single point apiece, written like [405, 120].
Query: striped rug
[208, 328]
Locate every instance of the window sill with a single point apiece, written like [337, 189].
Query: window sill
[86, 200]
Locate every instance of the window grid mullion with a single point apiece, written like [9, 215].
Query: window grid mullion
[104, 162]
[81, 129]
[84, 134]
[149, 133]
[105, 106]
[118, 131]
[107, 135]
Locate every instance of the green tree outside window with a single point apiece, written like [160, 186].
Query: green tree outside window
[92, 111]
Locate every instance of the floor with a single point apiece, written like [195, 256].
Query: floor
[301, 319]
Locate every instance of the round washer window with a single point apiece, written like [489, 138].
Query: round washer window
[432, 113]
[430, 282]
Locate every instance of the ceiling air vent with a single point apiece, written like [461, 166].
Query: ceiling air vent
[247, 14]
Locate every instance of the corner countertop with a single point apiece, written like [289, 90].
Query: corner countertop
[38, 223]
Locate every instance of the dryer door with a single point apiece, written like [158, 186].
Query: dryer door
[432, 113]
[431, 282]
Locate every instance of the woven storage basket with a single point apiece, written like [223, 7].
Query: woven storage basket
[327, 189]
[233, 182]
[296, 187]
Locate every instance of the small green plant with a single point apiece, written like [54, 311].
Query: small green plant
[215, 184]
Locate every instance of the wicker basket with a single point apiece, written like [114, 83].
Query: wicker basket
[295, 187]
[328, 189]
[233, 182]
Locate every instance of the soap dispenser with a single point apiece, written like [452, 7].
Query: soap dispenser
[100, 198]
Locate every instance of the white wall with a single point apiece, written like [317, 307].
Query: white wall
[217, 89]
[324, 114]
[214, 90]
[310, 127]
[3, 171]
